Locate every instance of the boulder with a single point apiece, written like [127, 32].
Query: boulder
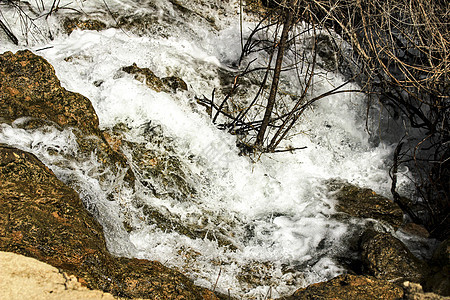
[439, 279]
[29, 89]
[42, 218]
[365, 203]
[386, 257]
[350, 287]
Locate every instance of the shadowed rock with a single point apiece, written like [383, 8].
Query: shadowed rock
[350, 287]
[439, 279]
[386, 257]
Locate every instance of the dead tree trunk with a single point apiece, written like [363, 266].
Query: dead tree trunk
[287, 24]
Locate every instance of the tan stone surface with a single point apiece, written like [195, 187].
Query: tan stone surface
[23, 277]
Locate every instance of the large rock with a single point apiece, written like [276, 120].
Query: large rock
[42, 218]
[439, 279]
[386, 257]
[350, 287]
[29, 88]
[365, 203]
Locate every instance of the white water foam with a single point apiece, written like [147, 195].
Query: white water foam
[275, 211]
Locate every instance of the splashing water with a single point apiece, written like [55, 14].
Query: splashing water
[243, 227]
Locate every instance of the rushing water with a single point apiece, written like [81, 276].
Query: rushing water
[267, 220]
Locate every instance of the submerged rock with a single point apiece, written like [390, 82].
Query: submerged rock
[175, 83]
[164, 175]
[365, 203]
[350, 287]
[145, 75]
[386, 257]
[42, 218]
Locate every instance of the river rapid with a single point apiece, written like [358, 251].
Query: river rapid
[245, 226]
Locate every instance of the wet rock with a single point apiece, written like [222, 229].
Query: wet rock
[415, 229]
[256, 273]
[439, 279]
[145, 75]
[414, 291]
[42, 218]
[350, 287]
[386, 257]
[70, 24]
[328, 52]
[365, 203]
[29, 89]
[167, 21]
[163, 175]
[175, 83]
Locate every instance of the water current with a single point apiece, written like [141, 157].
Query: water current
[239, 225]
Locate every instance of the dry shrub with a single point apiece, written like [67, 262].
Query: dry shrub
[402, 49]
